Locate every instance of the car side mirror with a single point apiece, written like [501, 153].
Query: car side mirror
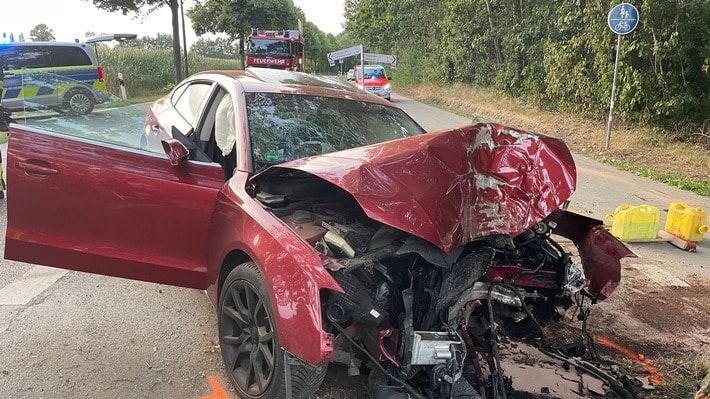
[176, 151]
[193, 151]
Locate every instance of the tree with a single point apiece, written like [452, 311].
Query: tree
[138, 6]
[218, 48]
[237, 17]
[159, 41]
[42, 33]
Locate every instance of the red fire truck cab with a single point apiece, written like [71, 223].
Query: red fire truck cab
[275, 49]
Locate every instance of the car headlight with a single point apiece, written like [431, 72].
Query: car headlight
[387, 86]
[361, 87]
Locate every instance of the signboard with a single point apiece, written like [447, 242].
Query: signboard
[623, 18]
[381, 58]
[344, 53]
[267, 61]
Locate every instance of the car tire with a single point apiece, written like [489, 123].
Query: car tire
[79, 101]
[249, 342]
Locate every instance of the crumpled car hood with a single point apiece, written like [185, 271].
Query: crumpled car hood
[452, 186]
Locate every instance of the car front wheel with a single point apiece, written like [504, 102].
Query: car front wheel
[249, 342]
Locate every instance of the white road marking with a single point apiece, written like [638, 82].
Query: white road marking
[660, 276]
[29, 285]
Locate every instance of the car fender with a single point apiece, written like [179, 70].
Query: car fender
[293, 271]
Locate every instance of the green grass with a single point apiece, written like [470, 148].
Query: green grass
[697, 187]
[682, 377]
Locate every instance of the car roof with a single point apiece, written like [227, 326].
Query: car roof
[45, 43]
[256, 80]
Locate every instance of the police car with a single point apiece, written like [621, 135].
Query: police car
[62, 76]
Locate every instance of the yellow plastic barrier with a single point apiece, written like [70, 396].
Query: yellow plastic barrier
[686, 222]
[634, 222]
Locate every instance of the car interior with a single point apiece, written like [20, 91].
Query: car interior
[218, 133]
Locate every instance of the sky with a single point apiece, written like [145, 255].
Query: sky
[71, 19]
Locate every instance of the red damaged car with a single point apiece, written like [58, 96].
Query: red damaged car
[316, 217]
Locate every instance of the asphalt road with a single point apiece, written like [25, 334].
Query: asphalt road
[76, 335]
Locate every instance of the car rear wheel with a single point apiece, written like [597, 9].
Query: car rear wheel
[79, 102]
[249, 342]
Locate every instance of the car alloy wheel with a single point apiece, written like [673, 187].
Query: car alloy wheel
[249, 341]
[247, 333]
[80, 102]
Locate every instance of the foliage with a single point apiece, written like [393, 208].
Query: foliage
[697, 187]
[42, 33]
[148, 6]
[216, 48]
[148, 72]
[159, 41]
[236, 18]
[555, 54]
[317, 46]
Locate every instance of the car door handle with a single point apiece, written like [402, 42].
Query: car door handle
[36, 170]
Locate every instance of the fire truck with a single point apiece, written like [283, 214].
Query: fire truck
[275, 49]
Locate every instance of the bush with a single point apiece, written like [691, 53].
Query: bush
[150, 72]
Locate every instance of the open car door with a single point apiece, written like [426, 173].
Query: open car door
[83, 204]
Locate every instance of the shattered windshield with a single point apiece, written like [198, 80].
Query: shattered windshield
[284, 127]
[273, 48]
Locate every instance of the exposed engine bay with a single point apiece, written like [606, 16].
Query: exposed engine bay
[425, 321]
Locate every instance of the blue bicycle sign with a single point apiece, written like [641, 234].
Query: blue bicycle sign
[623, 18]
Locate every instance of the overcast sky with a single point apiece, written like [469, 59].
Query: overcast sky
[71, 19]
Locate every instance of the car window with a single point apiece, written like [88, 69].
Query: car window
[216, 135]
[20, 57]
[56, 87]
[189, 101]
[68, 56]
[269, 47]
[284, 127]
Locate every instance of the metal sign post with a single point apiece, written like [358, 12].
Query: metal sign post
[622, 19]
[362, 67]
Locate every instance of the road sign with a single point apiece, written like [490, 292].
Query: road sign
[623, 18]
[344, 53]
[384, 58]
